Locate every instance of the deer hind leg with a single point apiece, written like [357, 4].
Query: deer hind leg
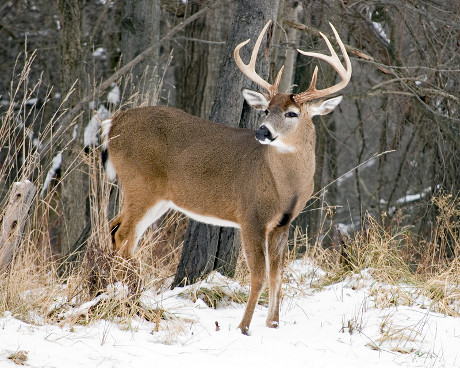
[277, 245]
[128, 227]
[253, 246]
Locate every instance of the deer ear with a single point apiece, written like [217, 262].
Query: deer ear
[255, 99]
[325, 107]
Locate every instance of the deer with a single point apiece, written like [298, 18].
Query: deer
[256, 181]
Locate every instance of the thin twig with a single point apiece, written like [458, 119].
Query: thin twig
[315, 195]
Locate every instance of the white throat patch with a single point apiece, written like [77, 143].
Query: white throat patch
[281, 146]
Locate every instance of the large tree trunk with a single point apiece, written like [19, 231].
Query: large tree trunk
[74, 185]
[198, 57]
[208, 248]
[140, 29]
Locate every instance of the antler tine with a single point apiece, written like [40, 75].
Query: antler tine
[277, 81]
[335, 62]
[314, 77]
[249, 69]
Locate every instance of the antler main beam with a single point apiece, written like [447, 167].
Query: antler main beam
[249, 69]
[334, 61]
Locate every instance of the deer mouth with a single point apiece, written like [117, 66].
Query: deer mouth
[264, 135]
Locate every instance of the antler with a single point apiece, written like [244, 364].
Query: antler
[333, 60]
[249, 69]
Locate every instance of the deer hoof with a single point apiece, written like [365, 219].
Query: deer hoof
[244, 330]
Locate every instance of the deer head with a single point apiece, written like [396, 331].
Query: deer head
[286, 112]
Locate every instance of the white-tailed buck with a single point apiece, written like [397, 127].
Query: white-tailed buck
[255, 181]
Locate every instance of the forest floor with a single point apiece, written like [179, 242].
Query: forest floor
[357, 322]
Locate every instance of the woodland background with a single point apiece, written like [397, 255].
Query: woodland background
[385, 153]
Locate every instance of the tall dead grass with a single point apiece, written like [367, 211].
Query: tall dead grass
[35, 286]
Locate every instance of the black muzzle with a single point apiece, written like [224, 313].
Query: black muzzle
[263, 133]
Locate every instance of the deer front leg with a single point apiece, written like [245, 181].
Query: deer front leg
[253, 246]
[277, 245]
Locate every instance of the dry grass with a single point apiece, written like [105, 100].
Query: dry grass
[35, 287]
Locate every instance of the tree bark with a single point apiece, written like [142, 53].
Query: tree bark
[140, 29]
[206, 247]
[74, 183]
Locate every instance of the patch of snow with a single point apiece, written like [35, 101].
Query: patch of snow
[99, 53]
[360, 280]
[408, 198]
[37, 143]
[412, 197]
[303, 271]
[114, 95]
[345, 229]
[90, 137]
[379, 29]
[350, 173]
[31, 101]
[334, 326]
[55, 165]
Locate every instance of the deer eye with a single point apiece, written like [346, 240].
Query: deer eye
[291, 114]
[266, 112]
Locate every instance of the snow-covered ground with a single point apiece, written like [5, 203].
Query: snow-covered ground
[336, 326]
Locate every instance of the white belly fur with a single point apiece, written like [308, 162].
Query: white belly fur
[205, 219]
[155, 212]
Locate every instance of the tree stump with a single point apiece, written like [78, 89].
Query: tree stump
[14, 220]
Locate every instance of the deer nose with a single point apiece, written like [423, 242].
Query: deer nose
[263, 133]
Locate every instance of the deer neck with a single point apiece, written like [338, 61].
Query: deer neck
[294, 167]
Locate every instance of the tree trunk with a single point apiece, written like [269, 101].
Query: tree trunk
[198, 56]
[74, 184]
[206, 247]
[140, 29]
